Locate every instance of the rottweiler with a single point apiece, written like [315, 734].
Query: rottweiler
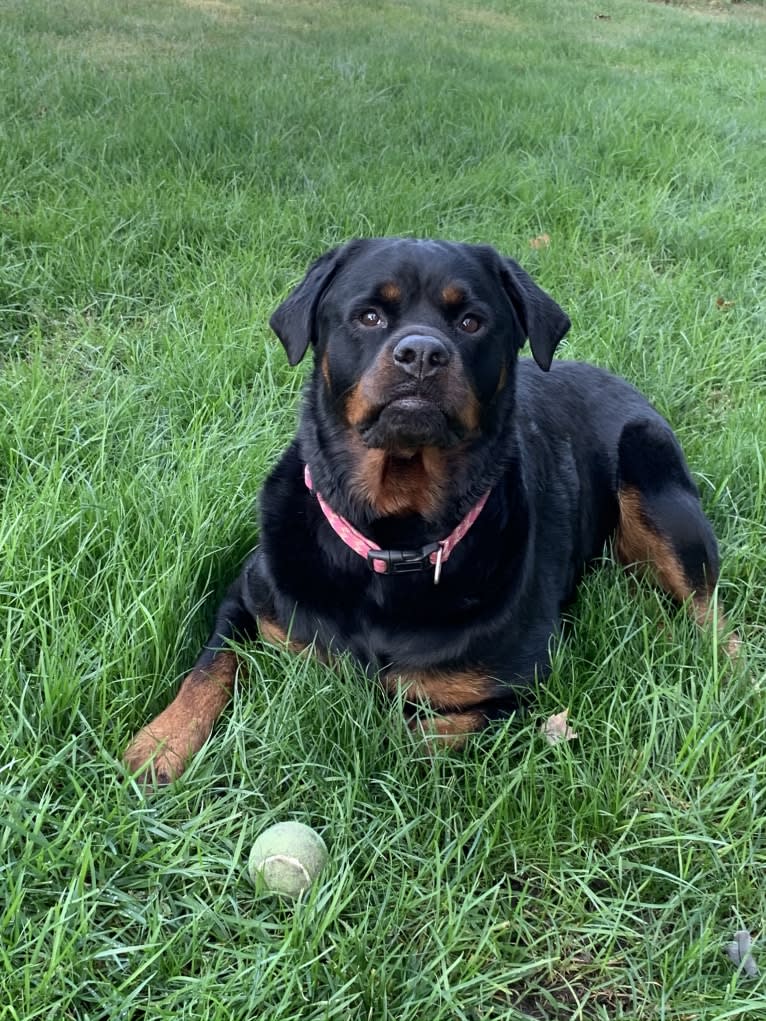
[442, 497]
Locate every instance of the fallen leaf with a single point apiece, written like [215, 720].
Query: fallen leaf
[541, 241]
[723, 303]
[556, 728]
[738, 952]
[734, 646]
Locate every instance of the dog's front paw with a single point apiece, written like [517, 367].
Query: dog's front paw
[155, 756]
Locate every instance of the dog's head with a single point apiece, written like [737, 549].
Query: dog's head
[415, 342]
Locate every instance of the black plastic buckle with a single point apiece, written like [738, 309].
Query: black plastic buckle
[404, 561]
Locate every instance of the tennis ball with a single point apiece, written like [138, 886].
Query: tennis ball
[286, 858]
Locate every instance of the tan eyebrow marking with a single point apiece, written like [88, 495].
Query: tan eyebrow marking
[391, 291]
[453, 294]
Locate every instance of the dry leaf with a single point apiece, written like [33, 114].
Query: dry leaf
[734, 646]
[541, 241]
[556, 728]
[738, 952]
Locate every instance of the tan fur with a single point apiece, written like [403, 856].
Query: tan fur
[398, 485]
[272, 633]
[442, 689]
[357, 406]
[391, 291]
[449, 731]
[453, 294]
[471, 412]
[370, 393]
[637, 543]
[406, 481]
[326, 369]
[165, 745]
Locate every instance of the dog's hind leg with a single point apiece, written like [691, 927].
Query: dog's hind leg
[661, 523]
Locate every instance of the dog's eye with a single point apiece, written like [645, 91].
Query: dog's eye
[470, 324]
[370, 318]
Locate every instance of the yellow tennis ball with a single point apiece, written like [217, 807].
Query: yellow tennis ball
[286, 858]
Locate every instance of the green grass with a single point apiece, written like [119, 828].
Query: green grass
[166, 172]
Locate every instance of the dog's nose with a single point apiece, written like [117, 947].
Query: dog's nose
[421, 355]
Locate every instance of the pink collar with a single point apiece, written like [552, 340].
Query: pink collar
[395, 561]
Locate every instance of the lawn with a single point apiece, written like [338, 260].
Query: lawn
[167, 170]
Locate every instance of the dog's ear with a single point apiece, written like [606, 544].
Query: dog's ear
[294, 322]
[542, 320]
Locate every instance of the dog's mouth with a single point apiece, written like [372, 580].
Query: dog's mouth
[408, 423]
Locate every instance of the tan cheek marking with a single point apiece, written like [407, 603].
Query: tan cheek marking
[370, 390]
[460, 396]
[470, 416]
[357, 406]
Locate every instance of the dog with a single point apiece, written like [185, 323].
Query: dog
[442, 497]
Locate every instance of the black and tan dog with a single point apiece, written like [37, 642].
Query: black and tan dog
[441, 498]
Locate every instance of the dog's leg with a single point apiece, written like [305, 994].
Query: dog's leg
[160, 752]
[462, 701]
[162, 749]
[448, 730]
[661, 522]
